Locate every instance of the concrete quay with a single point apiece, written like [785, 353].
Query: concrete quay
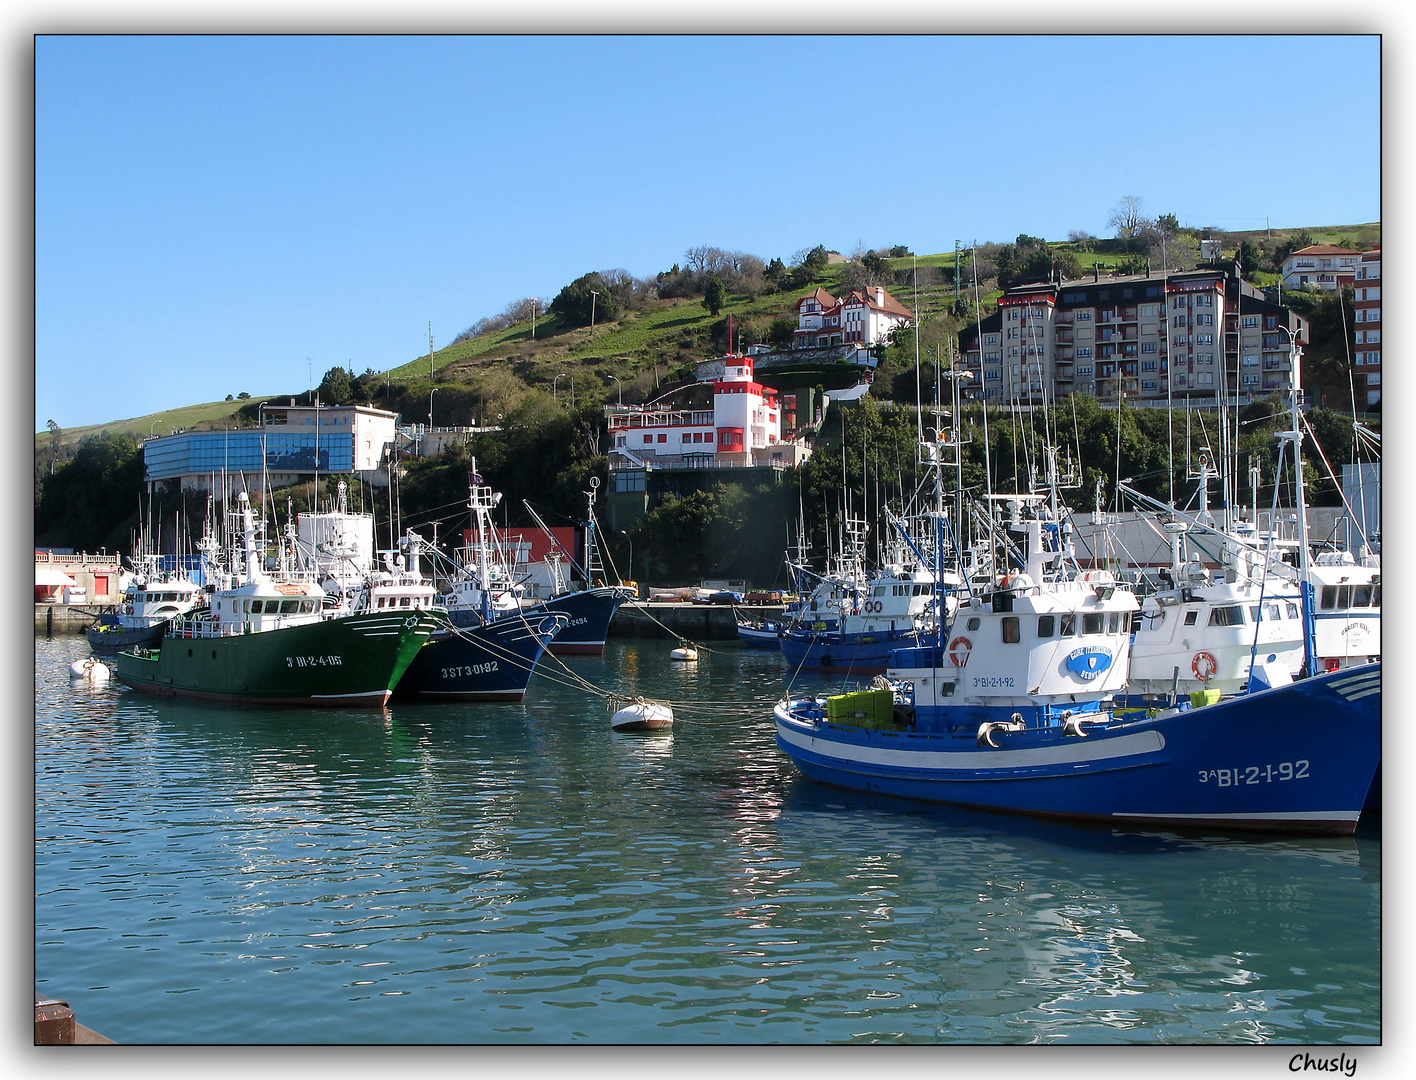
[684, 621]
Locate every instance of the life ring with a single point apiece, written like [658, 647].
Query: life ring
[1204, 666]
[959, 651]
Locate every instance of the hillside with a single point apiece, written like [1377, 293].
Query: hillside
[652, 341]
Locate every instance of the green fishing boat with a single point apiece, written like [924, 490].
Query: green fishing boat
[274, 642]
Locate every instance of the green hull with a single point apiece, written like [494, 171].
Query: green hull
[353, 661]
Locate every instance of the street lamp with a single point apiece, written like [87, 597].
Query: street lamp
[154, 425]
[431, 392]
[630, 540]
[593, 297]
[553, 384]
[619, 389]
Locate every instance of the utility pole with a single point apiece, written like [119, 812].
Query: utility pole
[430, 350]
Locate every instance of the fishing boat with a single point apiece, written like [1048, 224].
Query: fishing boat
[761, 633]
[271, 642]
[890, 612]
[490, 657]
[1013, 709]
[1228, 631]
[152, 600]
[488, 580]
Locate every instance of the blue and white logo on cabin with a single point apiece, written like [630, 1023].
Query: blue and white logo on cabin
[1087, 663]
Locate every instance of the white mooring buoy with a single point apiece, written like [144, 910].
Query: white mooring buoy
[641, 715]
[684, 652]
[89, 668]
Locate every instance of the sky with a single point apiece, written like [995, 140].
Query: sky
[224, 214]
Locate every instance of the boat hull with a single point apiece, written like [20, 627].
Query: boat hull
[480, 663]
[107, 639]
[1298, 758]
[588, 614]
[756, 637]
[847, 654]
[350, 662]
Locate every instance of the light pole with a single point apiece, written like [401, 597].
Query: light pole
[593, 297]
[154, 425]
[553, 384]
[630, 540]
[619, 390]
[431, 392]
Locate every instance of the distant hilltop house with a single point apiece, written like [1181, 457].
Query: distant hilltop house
[864, 317]
[1320, 266]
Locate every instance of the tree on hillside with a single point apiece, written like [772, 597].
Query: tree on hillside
[1249, 257]
[781, 333]
[714, 296]
[586, 298]
[337, 387]
[91, 500]
[1128, 219]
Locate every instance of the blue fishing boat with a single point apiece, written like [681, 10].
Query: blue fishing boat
[1297, 758]
[1013, 709]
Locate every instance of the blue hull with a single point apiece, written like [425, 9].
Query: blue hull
[479, 663]
[1298, 758]
[754, 637]
[588, 614]
[847, 654]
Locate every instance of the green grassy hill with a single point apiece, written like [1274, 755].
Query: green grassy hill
[212, 414]
[657, 341]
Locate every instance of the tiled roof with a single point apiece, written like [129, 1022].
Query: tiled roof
[1324, 249]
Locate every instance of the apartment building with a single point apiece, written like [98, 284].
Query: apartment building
[1367, 337]
[1320, 266]
[1185, 338]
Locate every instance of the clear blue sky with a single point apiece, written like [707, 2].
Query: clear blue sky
[216, 215]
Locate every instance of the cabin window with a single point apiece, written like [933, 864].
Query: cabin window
[1376, 595]
[1361, 596]
[1292, 609]
[1045, 625]
[973, 623]
[1093, 622]
[1254, 613]
[1012, 632]
[879, 590]
[1329, 600]
[405, 601]
[1271, 611]
[1069, 625]
[1190, 617]
[289, 607]
[1227, 616]
[1113, 621]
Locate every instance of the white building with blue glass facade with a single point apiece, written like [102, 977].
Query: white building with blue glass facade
[292, 443]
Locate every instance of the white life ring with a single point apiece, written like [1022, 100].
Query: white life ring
[1204, 666]
[959, 650]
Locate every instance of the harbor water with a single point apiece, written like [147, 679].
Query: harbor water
[520, 874]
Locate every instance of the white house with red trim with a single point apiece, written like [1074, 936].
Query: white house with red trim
[743, 427]
[1320, 266]
[865, 317]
